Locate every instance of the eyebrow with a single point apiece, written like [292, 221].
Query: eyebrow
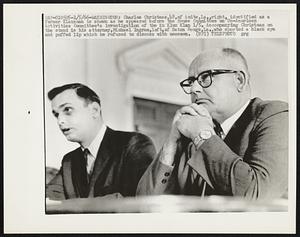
[62, 105]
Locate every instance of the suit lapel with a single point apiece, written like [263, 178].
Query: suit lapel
[233, 138]
[102, 159]
[79, 174]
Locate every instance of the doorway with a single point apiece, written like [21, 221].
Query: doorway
[154, 119]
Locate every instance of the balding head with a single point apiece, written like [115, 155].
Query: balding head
[219, 58]
[229, 90]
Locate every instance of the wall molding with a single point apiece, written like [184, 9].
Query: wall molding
[154, 69]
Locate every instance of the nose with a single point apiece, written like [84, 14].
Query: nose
[60, 120]
[196, 87]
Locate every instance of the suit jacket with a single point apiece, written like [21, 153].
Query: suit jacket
[121, 161]
[252, 160]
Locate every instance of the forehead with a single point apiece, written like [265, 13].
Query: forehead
[213, 60]
[66, 97]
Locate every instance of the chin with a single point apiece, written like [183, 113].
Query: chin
[72, 139]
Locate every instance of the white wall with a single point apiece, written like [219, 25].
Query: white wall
[106, 79]
[268, 66]
[95, 62]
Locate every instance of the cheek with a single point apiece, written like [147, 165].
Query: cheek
[71, 120]
[76, 121]
[218, 99]
[83, 121]
[220, 92]
[212, 93]
[225, 98]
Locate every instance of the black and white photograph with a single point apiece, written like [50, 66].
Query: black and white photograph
[125, 75]
[142, 115]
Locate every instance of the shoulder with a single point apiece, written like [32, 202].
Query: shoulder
[131, 137]
[134, 143]
[69, 156]
[264, 109]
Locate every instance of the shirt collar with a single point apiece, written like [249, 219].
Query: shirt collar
[228, 123]
[95, 145]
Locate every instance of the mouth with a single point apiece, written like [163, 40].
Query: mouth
[66, 131]
[201, 101]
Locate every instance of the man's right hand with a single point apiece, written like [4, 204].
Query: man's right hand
[170, 146]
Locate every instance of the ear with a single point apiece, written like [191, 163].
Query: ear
[241, 81]
[96, 109]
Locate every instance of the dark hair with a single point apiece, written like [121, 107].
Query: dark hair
[81, 90]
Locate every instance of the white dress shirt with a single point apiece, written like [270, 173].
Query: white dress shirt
[228, 123]
[93, 149]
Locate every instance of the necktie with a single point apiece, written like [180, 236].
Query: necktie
[80, 175]
[218, 129]
[85, 155]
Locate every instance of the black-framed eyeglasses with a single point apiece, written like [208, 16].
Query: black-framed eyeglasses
[204, 78]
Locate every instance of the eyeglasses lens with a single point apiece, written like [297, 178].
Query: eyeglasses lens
[205, 79]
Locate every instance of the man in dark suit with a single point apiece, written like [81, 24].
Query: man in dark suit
[224, 143]
[107, 162]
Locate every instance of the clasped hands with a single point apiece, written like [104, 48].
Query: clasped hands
[188, 121]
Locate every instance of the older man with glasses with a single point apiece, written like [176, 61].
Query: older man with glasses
[224, 142]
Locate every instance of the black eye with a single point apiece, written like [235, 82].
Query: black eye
[68, 109]
[55, 114]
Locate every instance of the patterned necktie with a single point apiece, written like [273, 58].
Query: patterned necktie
[218, 129]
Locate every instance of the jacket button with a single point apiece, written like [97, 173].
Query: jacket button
[164, 181]
[167, 174]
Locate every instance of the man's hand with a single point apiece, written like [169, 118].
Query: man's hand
[188, 121]
[190, 124]
[191, 110]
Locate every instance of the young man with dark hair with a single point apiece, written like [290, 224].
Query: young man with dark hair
[107, 161]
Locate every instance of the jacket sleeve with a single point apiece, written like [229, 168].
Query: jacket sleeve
[158, 179]
[139, 155]
[262, 173]
[55, 188]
